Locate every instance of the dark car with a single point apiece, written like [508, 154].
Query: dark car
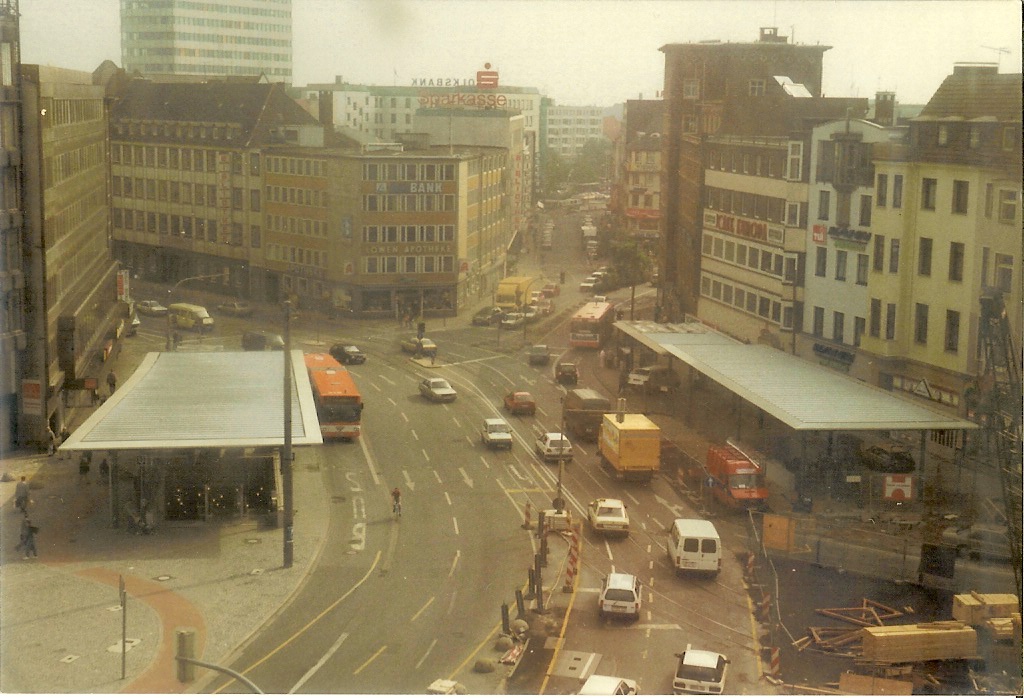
[538, 355]
[567, 374]
[488, 316]
[348, 354]
[237, 308]
[888, 458]
[258, 340]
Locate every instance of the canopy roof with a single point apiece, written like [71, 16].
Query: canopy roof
[797, 392]
[203, 400]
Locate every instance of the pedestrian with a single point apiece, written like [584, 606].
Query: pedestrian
[112, 382]
[51, 440]
[83, 468]
[21, 495]
[28, 539]
[104, 469]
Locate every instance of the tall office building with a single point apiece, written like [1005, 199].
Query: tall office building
[228, 37]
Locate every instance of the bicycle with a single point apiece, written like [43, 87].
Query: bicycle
[396, 503]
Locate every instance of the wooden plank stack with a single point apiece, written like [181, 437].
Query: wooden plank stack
[975, 608]
[921, 642]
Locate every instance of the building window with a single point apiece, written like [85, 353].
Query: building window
[875, 317]
[920, 323]
[1007, 205]
[792, 213]
[823, 204]
[897, 191]
[960, 190]
[990, 198]
[838, 320]
[820, 261]
[755, 88]
[795, 161]
[819, 322]
[924, 257]
[1004, 272]
[858, 330]
[881, 190]
[890, 321]
[879, 256]
[862, 270]
[929, 189]
[975, 137]
[952, 342]
[865, 210]
[691, 88]
[943, 135]
[956, 261]
[894, 257]
[840, 265]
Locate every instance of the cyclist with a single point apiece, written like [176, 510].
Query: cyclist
[396, 502]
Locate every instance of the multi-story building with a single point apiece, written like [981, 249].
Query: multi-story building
[702, 81]
[566, 129]
[841, 204]
[227, 37]
[72, 318]
[636, 189]
[946, 229]
[187, 180]
[13, 339]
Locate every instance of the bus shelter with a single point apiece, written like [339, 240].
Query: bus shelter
[191, 435]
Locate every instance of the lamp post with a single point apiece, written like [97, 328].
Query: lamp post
[286, 449]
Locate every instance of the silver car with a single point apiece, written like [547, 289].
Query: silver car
[437, 390]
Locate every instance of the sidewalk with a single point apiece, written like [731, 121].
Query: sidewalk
[62, 621]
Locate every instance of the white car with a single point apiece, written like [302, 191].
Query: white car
[621, 595]
[150, 307]
[553, 446]
[608, 516]
[496, 433]
[437, 390]
[700, 671]
[598, 685]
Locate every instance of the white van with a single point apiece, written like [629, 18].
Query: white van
[694, 545]
[620, 595]
[597, 685]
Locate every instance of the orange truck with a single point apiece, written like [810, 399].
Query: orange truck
[736, 479]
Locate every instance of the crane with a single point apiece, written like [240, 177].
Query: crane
[1001, 379]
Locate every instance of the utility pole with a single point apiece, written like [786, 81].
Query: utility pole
[286, 450]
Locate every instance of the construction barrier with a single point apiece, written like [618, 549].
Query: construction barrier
[751, 560]
[527, 524]
[774, 665]
[573, 561]
[765, 606]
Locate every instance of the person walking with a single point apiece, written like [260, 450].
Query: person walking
[28, 539]
[83, 468]
[51, 440]
[21, 495]
[396, 502]
[112, 382]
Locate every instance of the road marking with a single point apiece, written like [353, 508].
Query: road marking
[385, 379]
[422, 609]
[455, 522]
[437, 476]
[364, 444]
[426, 456]
[375, 387]
[358, 537]
[316, 667]
[456, 420]
[484, 461]
[608, 549]
[634, 499]
[408, 480]
[455, 563]
[542, 411]
[414, 434]
[307, 626]
[367, 662]
[424, 657]
[465, 477]
[447, 498]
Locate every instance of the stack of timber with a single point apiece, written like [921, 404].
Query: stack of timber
[975, 608]
[845, 639]
[922, 642]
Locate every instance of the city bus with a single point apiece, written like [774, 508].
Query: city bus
[591, 326]
[339, 406]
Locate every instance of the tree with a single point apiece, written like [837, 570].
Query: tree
[594, 161]
[556, 173]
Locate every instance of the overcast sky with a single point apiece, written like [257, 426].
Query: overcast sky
[584, 52]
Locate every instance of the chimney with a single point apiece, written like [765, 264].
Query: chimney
[885, 108]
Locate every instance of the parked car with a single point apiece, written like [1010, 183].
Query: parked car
[538, 355]
[150, 307]
[513, 321]
[531, 314]
[520, 402]
[979, 541]
[888, 457]
[496, 433]
[488, 316]
[553, 445]
[588, 284]
[419, 347]
[551, 290]
[348, 354]
[654, 378]
[437, 390]
[607, 515]
[258, 340]
[546, 306]
[566, 373]
[700, 671]
[236, 308]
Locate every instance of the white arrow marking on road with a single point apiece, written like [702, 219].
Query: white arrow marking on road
[316, 667]
[465, 477]
[676, 509]
[408, 480]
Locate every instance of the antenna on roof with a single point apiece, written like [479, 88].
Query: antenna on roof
[999, 50]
